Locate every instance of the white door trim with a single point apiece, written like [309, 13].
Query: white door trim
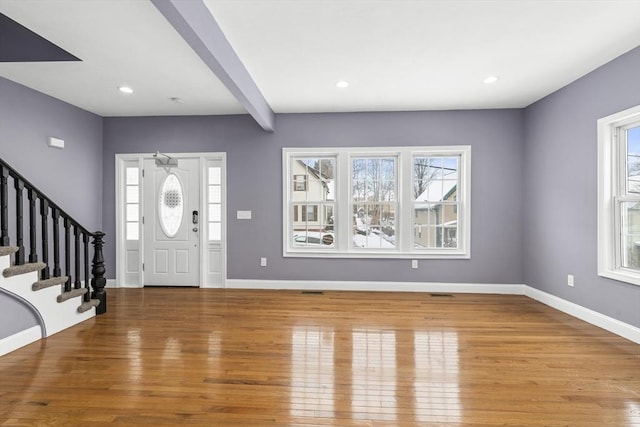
[135, 279]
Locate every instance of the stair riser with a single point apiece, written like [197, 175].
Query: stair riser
[57, 316]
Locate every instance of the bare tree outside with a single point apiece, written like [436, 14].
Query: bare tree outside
[374, 193]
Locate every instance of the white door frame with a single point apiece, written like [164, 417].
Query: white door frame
[133, 278]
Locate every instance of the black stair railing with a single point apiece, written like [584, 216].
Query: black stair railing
[77, 254]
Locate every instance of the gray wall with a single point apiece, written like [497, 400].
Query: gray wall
[72, 177]
[560, 207]
[255, 183]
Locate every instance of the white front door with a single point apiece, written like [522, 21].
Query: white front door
[171, 223]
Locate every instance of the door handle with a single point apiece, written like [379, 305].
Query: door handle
[195, 228]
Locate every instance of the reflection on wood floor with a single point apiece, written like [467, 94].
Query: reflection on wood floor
[166, 356]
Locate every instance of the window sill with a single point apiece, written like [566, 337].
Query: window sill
[376, 255]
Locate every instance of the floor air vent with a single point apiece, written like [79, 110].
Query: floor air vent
[439, 295]
[313, 292]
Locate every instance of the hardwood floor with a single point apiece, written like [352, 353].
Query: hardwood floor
[166, 356]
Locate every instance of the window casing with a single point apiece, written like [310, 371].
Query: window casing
[395, 202]
[619, 196]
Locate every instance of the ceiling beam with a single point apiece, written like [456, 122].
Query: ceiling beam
[194, 22]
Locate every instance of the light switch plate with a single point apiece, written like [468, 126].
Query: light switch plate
[244, 214]
[55, 142]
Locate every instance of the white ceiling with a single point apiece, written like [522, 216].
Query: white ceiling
[396, 54]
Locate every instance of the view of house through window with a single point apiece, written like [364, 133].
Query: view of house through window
[312, 201]
[619, 196]
[348, 201]
[435, 206]
[630, 200]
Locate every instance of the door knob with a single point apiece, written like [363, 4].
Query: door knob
[195, 228]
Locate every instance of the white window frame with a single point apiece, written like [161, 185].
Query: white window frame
[610, 194]
[404, 249]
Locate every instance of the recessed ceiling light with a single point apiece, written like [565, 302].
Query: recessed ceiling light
[342, 84]
[125, 89]
[491, 79]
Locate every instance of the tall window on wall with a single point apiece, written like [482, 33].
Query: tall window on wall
[132, 203]
[214, 199]
[311, 202]
[373, 202]
[619, 196]
[435, 203]
[377, 202]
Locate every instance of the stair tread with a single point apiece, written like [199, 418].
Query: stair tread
[46, 283]
[8, 250]
[71, 294]
[88, 305]
[15, 270]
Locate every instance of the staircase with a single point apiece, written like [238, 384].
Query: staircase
[36, 283]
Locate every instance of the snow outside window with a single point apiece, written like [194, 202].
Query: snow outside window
[619, 196]
[395, 202]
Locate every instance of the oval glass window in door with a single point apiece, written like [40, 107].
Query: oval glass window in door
[171, 205]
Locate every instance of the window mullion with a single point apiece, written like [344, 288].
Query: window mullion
[404, 227]
[343, 202]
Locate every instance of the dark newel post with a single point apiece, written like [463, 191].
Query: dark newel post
[76, 254]
[44, 213]
[67, 254]
[4, 206]
[87, 278]
[98, 282]
[19, 222]
[33, 251]
[55, 214]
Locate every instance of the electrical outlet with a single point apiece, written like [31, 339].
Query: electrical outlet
[263, 262]
[570, 280]
[414, 263]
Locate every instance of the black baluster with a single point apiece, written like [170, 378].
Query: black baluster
[4, 206]
[19, 185]
[55, 213]
[98, 281]
[33, 255]
[44, 213]
[87, 279]
[67, 254]
[76, 256]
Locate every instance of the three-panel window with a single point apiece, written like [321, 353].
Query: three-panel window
[377, 202]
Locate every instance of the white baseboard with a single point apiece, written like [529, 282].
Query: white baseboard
[112, 284]
[20, 339]
[612, 325]
[326, 285]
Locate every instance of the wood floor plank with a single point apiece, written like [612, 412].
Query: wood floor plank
[167, 356]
